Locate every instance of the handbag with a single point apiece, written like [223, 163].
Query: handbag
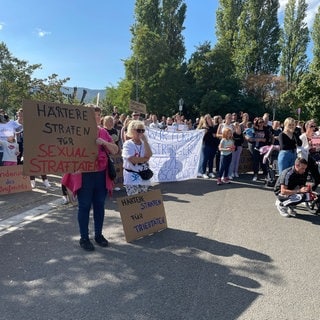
[144, 174]
[112, 173]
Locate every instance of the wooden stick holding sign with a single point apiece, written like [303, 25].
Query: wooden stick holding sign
[58, 138]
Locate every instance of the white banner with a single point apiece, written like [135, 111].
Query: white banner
[176, 155]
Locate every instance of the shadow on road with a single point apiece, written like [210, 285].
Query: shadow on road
[173, 274]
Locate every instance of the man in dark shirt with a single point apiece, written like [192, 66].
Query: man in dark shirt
[291, 188]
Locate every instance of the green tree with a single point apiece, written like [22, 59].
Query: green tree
[315, 35]
[15, 79]
[227, 29]
[257, 41]
[117, 96]
[307, 93]
[294, 41]
[214, 82]
[154, 69]
[17, 83]
[49, 89]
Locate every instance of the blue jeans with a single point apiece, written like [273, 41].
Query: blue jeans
[286, 159]
[209, 153]
[93, 192]
[225, 162]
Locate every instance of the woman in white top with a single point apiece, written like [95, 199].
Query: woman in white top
[136, 153]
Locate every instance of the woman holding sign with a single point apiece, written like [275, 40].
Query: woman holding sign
[136, 153]
[91, 189]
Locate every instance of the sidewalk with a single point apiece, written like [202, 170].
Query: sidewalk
[15, 207]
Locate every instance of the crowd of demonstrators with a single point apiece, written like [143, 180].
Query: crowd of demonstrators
[223, 143]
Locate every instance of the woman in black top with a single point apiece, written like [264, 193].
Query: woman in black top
[209, 146]
[238, 142]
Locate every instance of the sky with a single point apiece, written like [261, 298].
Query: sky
[87, 41]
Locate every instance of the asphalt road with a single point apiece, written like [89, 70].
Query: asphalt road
[227, 254]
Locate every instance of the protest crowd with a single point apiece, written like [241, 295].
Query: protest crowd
[225, 139]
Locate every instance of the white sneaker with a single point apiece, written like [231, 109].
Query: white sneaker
[230, 177]
[46, 183]
[199, 175]
[255, 178]
[33, 183]
[236, 175]
[282, 210]
[205, 176]
[211, 175]
[65, 200]
[116, 189]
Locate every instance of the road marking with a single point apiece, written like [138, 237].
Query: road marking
[20, 220]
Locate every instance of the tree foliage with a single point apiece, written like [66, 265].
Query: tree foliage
[15, 79]
[17, 83]
[294, 41]
[158, 52]
[256, 45]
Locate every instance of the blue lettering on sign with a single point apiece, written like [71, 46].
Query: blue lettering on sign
[150, 204]
[9, 182]
[149, 224]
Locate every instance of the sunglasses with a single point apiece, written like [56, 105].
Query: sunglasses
[312, 126]
[140, 130]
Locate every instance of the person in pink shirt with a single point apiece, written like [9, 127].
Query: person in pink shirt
[91, 189]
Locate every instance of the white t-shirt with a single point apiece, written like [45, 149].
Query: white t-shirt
[129, 150]
[153, 125]
[9, 151]
[9, 129]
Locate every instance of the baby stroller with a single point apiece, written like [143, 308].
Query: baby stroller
[313, 205]
[270, 158]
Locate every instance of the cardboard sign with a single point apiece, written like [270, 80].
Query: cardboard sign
[58, 138]
[137, 107]
[118, 164]
[12, 180]
[246, 163]
[142, 214]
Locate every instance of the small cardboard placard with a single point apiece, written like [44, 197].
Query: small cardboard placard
[12, 180]
[246, 163]
[142, 214]
[118, 164]
[138, 107]
[58, 138]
